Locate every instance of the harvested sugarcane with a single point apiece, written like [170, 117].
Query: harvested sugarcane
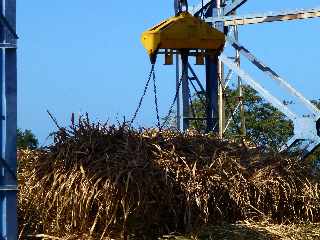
[100, 180]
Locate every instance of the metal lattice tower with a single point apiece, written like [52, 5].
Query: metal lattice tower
[222, 15]
[8, 128]
[219, 69]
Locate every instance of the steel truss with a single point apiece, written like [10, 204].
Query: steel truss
[221, 14]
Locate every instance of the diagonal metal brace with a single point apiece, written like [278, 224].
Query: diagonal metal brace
[196, 77]
[259, 88]
[6, 166]
[196, 10]
[234, 6]
[273, 75]
[305, 129]
[6, 23]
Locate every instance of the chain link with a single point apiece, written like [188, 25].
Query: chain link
[172, 105]
[156, 100]
[153, 76]
[192, 108]
[143, 95]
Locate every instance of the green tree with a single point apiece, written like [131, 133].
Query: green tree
[26, 139]
[266, 126]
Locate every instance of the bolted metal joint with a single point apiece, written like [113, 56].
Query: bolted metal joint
[168, 57]
[200, 55]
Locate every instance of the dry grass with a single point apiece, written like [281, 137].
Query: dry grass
[289, 232]
[100, 180]
[254, 231]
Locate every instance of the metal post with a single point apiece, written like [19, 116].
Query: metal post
[8, 179]
[2, 71]
[212, 91]
[178, 116]
[238, 60]
[221, 100]
[220, 79]
[185, 90]
[212, 79]
[2, 193]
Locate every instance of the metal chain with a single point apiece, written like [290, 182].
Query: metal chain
[156, 100]
[192, 108]
[172, 105]
[143, 95]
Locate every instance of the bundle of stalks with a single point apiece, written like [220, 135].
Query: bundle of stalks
[100, 180]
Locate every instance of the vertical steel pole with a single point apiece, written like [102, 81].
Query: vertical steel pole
[8, 186]
[221, 100]
[214, 78]
[242, 116]
[11, 142]
[2, 183]
[178, 116]
[212, 84]
[3, 224]
[220, 78]
[212, 91]
[185, 90]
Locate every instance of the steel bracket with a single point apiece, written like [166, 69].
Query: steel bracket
[9, 188]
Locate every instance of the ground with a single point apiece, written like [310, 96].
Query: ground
[250, 231]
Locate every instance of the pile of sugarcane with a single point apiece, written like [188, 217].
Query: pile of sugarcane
[101, 180]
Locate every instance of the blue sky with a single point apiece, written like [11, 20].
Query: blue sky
[85, 56]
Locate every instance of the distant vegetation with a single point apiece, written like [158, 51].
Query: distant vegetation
[266, 127]
[26, 139]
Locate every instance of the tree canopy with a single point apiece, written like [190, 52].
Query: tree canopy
[26, 139]
[265, 126]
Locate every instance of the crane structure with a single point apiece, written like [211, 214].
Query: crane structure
[8, 127]
[189, 41]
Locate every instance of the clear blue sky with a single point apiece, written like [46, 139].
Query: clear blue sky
[85, 56]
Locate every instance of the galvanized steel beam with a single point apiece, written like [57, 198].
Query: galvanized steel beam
[267, 17]
[305, 128]
[255, 85]
[273, 75]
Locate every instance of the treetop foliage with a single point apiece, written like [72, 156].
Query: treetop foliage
[26, 139]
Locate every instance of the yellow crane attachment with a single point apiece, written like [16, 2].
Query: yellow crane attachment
[182, 32]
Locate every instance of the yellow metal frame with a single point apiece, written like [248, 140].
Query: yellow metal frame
[182, 32]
